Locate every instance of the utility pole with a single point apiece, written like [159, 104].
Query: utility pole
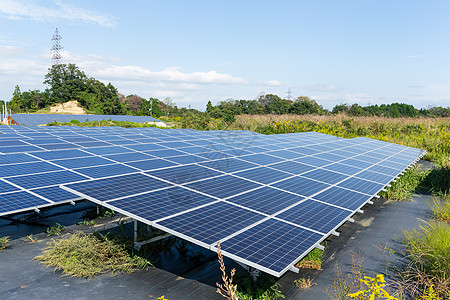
[56, 48]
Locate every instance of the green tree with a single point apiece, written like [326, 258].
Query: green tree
[66, 82]
[304, 105]
[343, 107]
[209, 107]
[156, 108]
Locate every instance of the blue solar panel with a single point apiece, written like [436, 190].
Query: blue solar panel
[151, 164]
[301, 185]
[55, 194]
[46, 179]
[184, 174]
[261, 159]
[263, 175]
[27, 168]
[50, 155]
[211, 223]
[81, 162]
[292, 167]
[20, 200]
[146, 147]
[223, 186]
[6, 187]
[325, 176]
[266, 200]
[117, 187]
[313, 161]
[228, 165]
[273, 245]
[374, 176]
[16, 158]
[385, 170]
[59, 146]
[344, 169]
[106, 171]
[315, 215]
[159, 204]
[343, 198]
[361, 185]
[19, 149]
[208, 205]
[127, 157]
[108, 150]
[165, 153]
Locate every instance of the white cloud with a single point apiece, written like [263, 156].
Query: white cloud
[19, 10]
[273, 83]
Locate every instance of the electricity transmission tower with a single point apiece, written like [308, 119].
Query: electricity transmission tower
[289, 94]
[56, 48]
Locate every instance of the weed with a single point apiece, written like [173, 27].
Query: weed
[32, 239]
[264, 288]
[374, 289]
[403, 188]
[109, 213]
[303, 283]
[342, 286]
[86, 223]
[4, 242]
[55, 230]
[86, 255]
[428, 253]
[438, 181]
[227, 289]
[313, 260]
[440, 208]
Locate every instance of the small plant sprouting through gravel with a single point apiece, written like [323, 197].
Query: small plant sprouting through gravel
[32, 239]
[4, 242]
[86, 223]
[55, 230]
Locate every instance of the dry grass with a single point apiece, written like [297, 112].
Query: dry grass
[304, 283]
[226, 289]
[87, 255]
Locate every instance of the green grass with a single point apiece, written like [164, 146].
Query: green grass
[313, 260]
[55, 230]
[87, 255]
[405, 186]
[264, 288]
[438, 180]
[4, 242]
[86, 223]
[428, 251]
[440, 208]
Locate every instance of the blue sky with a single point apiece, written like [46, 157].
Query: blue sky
[194, 51]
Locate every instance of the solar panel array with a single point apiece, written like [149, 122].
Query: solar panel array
[269, 200]
[39, 119]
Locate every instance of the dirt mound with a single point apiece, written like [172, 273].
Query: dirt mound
[70, 107]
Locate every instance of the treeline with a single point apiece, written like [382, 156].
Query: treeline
[272, 104]
[66, 82]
